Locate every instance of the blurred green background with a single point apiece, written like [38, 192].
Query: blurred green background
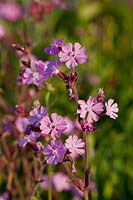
[105, 29]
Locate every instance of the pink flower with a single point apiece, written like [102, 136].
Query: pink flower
[56, 125]
[75, 145]
[59, 3]
[21, 124]
[37, 114]
[54, 152]
[61, 182]
[70, 125]
[90, 109]
[72, 55]
[111, 109]
[2, 31]
[10, 11]
[53, 49]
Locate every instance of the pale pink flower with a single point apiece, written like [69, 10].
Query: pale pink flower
[2, 31]
[10, 11]
[54, 126]
[69, 125]
[61, 182]
[72, 55]
[21, 124]
[75, 145]
[90, 109]
[111, 109]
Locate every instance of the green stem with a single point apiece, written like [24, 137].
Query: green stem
[49, 183]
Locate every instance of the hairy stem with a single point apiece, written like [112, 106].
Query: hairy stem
[86, 196]
[76, 181]
[75, 94]
[86, 170]
[37, 182]
[49, 183]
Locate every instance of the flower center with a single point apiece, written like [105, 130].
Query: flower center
[55, 152]
[89, 108]
[72, 54]
[36, 75]
[52, 125]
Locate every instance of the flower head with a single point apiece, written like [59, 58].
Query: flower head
[111, 109]
[53, 49]
[10, 11]
[28, 138]
[72, 55]
[54, 152]
[37, 114]
[61, 182]
[59, 4]
[34, 75]
[2, 31]
[70, 125]
[53, 67]
[21, 124]
[75, 145]
[4, 196]
[90, 109]
[56, 125]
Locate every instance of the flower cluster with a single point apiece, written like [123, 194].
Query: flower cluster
[91, 110]
[38, 71]
[70, 54]
[39, 126]
[43, 132]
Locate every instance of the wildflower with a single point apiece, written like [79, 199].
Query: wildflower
[54, 48]
[55, 126]
[75, 145]
[4, 196]
[60, 182]
[54, 152]
[10, 11]
[59, 4]
[37, 114]
[34, 75]
[21, 124]
[2, 31]
[28, 138]
[72, 55]
[111, 109]
[52, 68]
[90, 109]
[70, 125]
[38, 10]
